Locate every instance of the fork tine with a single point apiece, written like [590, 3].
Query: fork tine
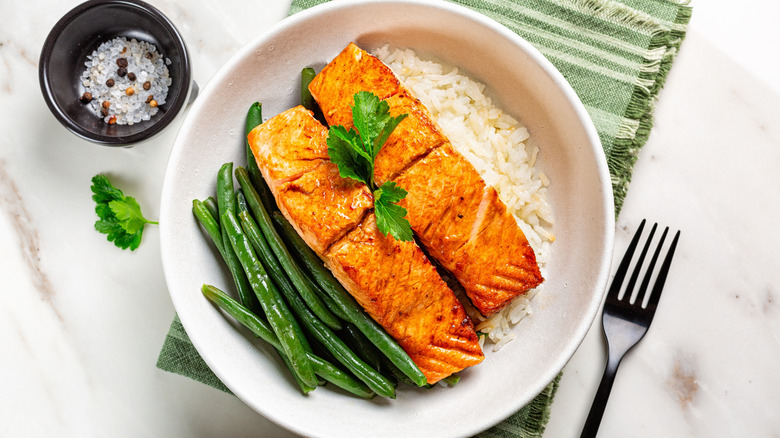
[620, 274]
[640, 296]
[655, 295]
[638, 267]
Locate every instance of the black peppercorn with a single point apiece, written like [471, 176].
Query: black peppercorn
[131, 76]
[122, 62]
[110, 82]
[86, 97]
[121, 72]
[147, 85]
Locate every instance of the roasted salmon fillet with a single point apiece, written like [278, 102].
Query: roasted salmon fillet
[394, 281]
[401, 290]
[465, 226]
[295, 163]
[458, 219]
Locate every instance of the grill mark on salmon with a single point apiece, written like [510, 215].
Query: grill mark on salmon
[457, 218]
[413, 139]
[394, 281]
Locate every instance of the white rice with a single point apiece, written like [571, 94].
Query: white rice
[126, 109]
[495, 143]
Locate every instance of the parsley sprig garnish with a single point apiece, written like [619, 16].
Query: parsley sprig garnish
[354, 152]
[119, 216]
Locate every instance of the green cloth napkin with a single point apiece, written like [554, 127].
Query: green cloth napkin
[616, 55]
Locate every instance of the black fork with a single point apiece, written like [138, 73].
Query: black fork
[625, 321]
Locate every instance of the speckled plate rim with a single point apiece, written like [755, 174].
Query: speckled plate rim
[580, 190]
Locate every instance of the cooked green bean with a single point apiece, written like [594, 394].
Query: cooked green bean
[389, 367]
[307, 100]
[262, 330]
[211, 205]
[451, 380]
[234, 266]
[264, 252]
[203, 214]
[240, 202]
[343, 354]
[255, 324]
[340, 351]
[355, 314]
[305, 388]
[283, 254]
[362, 346]
[332, 306]
[245, 294]
[314, 326]
[279, 316]
[270, 264]
[225, 195]
[254, 118]
[343, 380]
[226, 201]
[241, 314]
[329, 303]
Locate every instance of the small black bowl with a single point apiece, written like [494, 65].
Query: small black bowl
[78, 34]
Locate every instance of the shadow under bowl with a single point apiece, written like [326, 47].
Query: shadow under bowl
[78, 34]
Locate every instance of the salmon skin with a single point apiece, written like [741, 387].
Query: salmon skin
[392, 280]
[459, 220]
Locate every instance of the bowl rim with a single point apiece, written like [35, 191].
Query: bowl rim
[162, 122]
[166, 219]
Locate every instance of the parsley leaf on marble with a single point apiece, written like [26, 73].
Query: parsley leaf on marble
[355, 150]
[119, 216]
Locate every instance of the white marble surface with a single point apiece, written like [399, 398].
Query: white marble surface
[81, 322]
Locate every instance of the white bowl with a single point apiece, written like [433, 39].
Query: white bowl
[526, 85]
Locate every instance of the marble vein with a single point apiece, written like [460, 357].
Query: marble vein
[683, 381]
[12, 204]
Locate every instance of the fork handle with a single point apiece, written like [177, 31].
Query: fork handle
[600, 402]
